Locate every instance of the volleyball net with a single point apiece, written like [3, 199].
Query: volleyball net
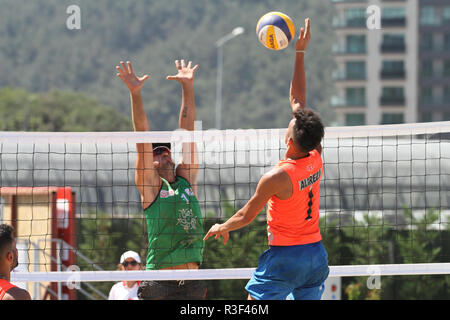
[72, 199]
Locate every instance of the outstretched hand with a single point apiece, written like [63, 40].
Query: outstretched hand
[304, 37]
[185, 73]
[216, 230]
[127, 75]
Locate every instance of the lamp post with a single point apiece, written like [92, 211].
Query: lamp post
[219, 44]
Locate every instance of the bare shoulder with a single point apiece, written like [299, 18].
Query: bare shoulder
[276, 176]
[17, 294]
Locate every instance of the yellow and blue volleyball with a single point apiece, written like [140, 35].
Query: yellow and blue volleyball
[275, 30]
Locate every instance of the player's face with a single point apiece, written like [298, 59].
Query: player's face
[164, 157]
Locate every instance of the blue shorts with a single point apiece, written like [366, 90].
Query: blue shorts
[295, 271]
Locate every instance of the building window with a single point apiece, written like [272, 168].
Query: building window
[446, 15]
[393, 96]
[392, 118]
[428, 16]
[355, 70]
[355, 96]
[426, 42]
[447, 93]
[393, 43]
[426, 95]
[446, 71]
[394, 17]
[355, 119]
[426, 117]
[355, 17]
[447, 42]
[446, 116]
[426, 69]
[356, 44]
[393, 69]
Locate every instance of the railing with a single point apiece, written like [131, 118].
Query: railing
[60, 245]
[337, 49]
[392, 74]
[392, 101]
[350, 23]
[348, 76]
[393, 48]
[393, 22]
[338, 102]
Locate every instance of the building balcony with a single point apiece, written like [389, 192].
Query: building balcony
[393, 22]
[392, 101]
[434, 104]
[360, 23]
[435, 78]
[339, 102]
[435, 52]
[438, 25]
[347, 50]
[392, 74]
[348, 76]
[393, 48]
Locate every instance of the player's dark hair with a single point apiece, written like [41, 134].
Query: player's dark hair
[162, 144]
[6, 237]
[308, 129]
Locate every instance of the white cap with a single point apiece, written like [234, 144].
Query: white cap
[130, 254]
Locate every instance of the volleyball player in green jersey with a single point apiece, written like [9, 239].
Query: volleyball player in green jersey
[168, 194]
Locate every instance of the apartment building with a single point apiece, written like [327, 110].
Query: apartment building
[399, 73]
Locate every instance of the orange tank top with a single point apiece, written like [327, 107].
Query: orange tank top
[4, 287]
[295, 221]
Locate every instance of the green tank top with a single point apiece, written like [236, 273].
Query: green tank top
[174, 226]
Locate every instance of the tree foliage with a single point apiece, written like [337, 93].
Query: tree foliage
[57, 111]
[40, 54]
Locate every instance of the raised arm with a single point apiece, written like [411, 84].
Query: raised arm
[297, 95]
[274, 182]
[188, 167]
[147, 178]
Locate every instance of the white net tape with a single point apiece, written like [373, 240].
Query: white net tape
[223, 274]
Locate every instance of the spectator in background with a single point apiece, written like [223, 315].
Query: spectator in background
[127, 290]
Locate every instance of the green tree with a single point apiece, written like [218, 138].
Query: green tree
[40, 54]
[56, 111]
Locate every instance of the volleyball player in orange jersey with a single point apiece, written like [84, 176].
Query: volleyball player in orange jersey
[8, 261]
[296, 263]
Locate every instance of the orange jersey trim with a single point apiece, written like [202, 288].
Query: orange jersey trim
[4, 287]
[295, 221]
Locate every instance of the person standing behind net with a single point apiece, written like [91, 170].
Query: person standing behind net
[127, 290]
[8, 261]
[296, 263]
[168, 194]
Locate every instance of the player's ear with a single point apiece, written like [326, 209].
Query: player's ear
[290, 142]
[10, 256]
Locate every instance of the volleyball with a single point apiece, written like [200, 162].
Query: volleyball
[275, 30]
